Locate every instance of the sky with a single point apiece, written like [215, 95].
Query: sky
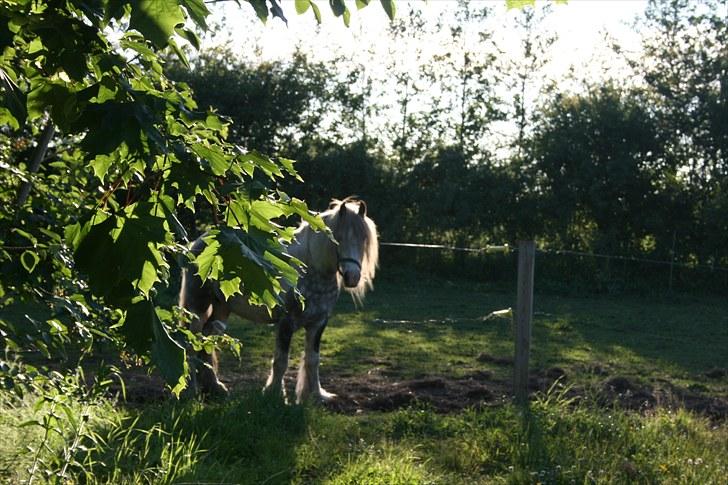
[582, 48]
[581, 25]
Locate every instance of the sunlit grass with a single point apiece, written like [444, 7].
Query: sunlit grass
[252, 439]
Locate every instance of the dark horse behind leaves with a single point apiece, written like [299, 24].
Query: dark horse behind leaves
[349, 262]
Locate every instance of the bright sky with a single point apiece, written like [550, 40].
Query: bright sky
[581, 25]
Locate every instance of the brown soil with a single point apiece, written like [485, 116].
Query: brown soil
[376, 392]
[381, 389]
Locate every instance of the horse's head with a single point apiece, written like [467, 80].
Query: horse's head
[357, 248]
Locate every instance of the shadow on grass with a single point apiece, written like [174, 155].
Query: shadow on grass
[249, 438]
[635, 334]
[677, 335]
[532, 455]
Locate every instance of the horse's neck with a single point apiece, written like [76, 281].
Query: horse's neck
[302, 249]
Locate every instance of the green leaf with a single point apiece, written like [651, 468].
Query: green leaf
[230, 253]
[299, 207]
[169, 357]
[189, 36]
[208, 263]
[389, 7]
[266, 209]
[214, 156]
[316, 11]
[138, 326]
[100, 165]
[198, 11]
[117, 253]
[156, 19]
[288, 165]
[26, 235]
[180, 53]
[230, 287]
[29, 260]
[510, 4]
[13, 111]
[347, 17]
[302, 6]
[263, 162]
[360, 4]
[261, 9]
[214, 122]
[337, 7]
[277, 11]
[236, 213]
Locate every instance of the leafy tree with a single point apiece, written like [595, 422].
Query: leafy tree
[87, 250]
[471, 85]
[596, 155]
[526, 73]
[263, 103]
[683, 65]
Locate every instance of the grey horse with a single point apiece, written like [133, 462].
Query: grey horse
[349, 262]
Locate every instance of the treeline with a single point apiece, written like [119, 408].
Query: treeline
[466, 145]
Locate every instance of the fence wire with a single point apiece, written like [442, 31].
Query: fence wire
[563, 269]
[506, 248]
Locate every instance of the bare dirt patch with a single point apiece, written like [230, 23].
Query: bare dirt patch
[631, 394]
[383, 389]
[374, 392]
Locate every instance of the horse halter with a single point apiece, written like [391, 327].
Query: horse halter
[346, 260]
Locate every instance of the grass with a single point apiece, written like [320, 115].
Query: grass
[250, 439]
[418, 329]
[433, 328]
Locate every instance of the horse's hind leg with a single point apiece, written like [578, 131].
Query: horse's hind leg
[196, 326]
[284, 332]
[207, 372]
[308, 384]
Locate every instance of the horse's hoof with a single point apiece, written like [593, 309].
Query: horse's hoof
[275, 392]
[216, 390]
[326, 396]
[322, 397]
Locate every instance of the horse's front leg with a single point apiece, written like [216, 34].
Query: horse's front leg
[308, 385]
[207, 372]
[284, 332]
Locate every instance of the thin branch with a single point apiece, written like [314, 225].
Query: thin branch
[38, 156]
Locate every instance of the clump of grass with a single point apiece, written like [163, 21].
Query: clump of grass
[125, 452]
[386, 464]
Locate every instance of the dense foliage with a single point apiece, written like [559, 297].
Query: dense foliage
[100, 152]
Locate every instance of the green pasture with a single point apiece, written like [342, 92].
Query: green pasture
[420, 327]
[411, 328]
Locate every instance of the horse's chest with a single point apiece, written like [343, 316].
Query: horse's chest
[320, 294]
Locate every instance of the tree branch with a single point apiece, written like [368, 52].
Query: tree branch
[38, 156]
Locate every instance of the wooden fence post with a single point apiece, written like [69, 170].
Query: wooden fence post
[524, 315]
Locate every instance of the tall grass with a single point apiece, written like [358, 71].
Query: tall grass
[252, 439]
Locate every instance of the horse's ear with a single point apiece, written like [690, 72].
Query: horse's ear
[362, 208]
[333, 203]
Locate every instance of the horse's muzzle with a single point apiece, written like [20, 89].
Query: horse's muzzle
[351, 278]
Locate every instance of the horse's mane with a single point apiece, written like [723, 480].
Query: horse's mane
[348, 223]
